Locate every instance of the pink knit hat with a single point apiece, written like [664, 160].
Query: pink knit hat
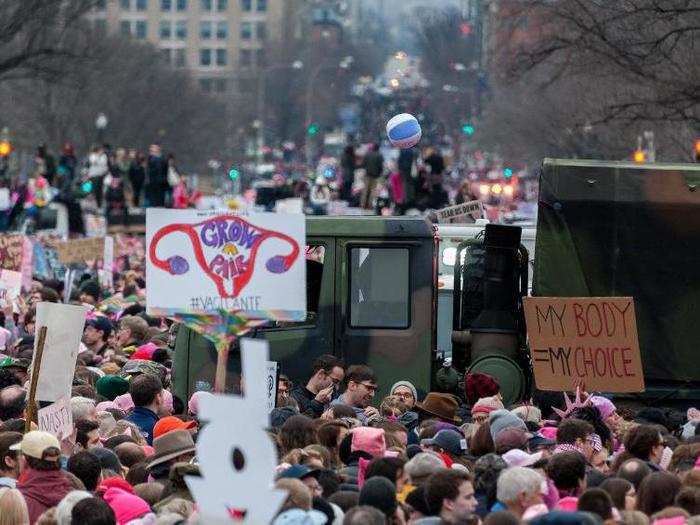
[549, 433]
[104, 405]
[486, 405]
[145, 352]
[124, 402]
[193, 403]
[126, 506]
[604, 406]
[370, 440]
[568, 504]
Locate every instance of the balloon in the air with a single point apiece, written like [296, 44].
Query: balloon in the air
[403, 131]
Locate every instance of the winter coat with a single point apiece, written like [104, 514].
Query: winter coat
[42, 490]
[145, 419]
[307, 402]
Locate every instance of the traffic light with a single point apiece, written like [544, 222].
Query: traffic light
[468, 129]
[313, 129]
[5, 148]
[639, 156]
[233, 173]
[507, 173]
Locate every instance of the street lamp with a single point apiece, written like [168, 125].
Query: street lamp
[101, 124]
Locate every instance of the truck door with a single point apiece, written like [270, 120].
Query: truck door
[296, 345]
[384, 290]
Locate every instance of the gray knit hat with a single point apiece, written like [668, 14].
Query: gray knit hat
[423, 465]
[502, 419]
[408, 385]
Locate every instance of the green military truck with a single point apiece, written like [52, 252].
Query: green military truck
[625, 229]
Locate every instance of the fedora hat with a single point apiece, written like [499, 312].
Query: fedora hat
[442, 406]
[171, 445]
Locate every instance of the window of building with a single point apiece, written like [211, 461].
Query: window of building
[379, 288]
[100, 26]
[246, 57]
[182, 5]
[125, 4]
[141, 5]
[165, 30]
[205, 57]
[246, 5]
[181, 29]
[205, 30]
[260, 57]
[246, 30]
[221, 30]
[261, 30]
[205, 5]
[205, 84]
[180, 60]
[141, 29]
[125, 28]
[262, 6]
[221, 5]
[220, 85]
[166, 55]
[166, 5]
[221, 57]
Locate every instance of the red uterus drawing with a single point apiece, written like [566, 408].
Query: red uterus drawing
[225, 247]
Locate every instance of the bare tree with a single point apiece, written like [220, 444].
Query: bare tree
[37, 35]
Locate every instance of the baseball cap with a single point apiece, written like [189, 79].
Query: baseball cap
[539, 440]
[449, 440]
[37, 444]
[299, 472]
[170, 423]
[520, 458]
[100, 323]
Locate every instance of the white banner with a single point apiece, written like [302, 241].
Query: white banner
[56, 418]
[64, 328]
[10, 285]
[467, 212]
[202, 261]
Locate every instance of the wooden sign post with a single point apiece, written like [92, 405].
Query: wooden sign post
[36, 367]
[587, 340]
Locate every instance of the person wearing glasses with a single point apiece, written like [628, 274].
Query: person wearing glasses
[313, 399]
[362, 385]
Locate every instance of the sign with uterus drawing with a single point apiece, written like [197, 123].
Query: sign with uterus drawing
[199, 262]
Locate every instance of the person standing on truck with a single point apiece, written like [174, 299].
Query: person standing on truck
[327, 373]
[374, 168]
[362, 385]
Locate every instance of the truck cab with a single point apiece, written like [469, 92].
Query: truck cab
[371, 296]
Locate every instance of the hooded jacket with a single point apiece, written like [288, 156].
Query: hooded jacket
[42, 490]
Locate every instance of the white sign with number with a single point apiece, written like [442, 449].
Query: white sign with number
[271, 384]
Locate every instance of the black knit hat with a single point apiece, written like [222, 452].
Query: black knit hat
[380, 493]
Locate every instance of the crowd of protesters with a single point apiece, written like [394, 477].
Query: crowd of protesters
[345, 454]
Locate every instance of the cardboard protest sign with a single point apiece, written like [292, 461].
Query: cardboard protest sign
[56, 418]
[223, 490]
[271, 384]
[80, 250]
[467, 212]
[584, 340]
[10, 285]
[11, 247]
[201, 261]
[64, 329]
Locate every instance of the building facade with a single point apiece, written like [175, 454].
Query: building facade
[221, 42]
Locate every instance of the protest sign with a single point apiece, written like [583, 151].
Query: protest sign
[64, 328]
[584, 340]
[201, 261]
[105, 274]
[467, 212]
[5, 199]
[10, 285]
[11, 252]
[80, 250]
[271, 384]
[224, 490]
[289, 206]
[56, 418]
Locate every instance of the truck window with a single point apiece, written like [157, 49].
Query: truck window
[379, 288]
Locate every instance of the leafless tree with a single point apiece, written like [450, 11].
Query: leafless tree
[37, 35]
